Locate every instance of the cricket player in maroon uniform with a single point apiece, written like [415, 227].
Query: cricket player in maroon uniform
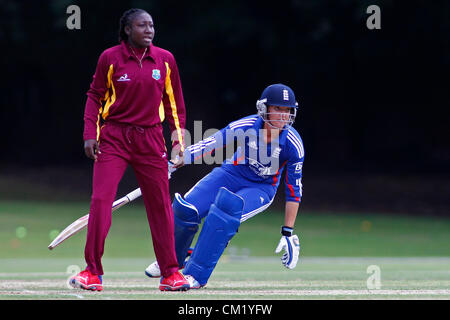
[136, 87]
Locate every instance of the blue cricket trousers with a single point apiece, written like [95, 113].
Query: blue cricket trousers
[257, 196]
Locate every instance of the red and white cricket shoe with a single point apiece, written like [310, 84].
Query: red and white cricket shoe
[193, 283]
[86, 280]
[175, 282]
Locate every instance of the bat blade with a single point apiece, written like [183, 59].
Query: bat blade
[72, 229]
[82, 222]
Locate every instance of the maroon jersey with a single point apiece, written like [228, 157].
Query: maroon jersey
[130, 90]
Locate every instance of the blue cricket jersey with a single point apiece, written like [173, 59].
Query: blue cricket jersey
[254, 160]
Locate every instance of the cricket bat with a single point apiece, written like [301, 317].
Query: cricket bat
[82, 222]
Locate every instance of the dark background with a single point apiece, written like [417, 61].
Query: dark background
[374, 104]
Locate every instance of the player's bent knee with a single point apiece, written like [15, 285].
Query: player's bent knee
[220, 226]
[186, 221]
[185, 212]
[229, 202]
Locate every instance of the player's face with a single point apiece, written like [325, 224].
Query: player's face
[278, 116]
[142, 31]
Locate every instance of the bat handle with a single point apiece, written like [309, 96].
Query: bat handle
[172, 168]
[134, 194]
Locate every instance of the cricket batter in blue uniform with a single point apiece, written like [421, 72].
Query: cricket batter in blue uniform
[243, 186]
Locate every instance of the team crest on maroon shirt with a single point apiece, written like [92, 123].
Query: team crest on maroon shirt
[156, 74]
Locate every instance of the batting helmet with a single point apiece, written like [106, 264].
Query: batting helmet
[277, 95]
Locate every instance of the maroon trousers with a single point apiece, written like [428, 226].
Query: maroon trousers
[144, 149]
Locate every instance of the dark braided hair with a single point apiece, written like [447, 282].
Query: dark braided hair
[126, 20]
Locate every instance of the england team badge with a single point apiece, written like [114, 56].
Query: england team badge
[156, 74]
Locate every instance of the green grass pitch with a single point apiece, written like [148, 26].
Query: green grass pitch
[411, 253]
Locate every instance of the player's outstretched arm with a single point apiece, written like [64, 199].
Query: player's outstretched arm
[289, 241]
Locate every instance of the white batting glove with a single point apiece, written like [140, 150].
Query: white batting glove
[291, 245]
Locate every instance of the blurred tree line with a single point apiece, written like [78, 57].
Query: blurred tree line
[370, 100]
